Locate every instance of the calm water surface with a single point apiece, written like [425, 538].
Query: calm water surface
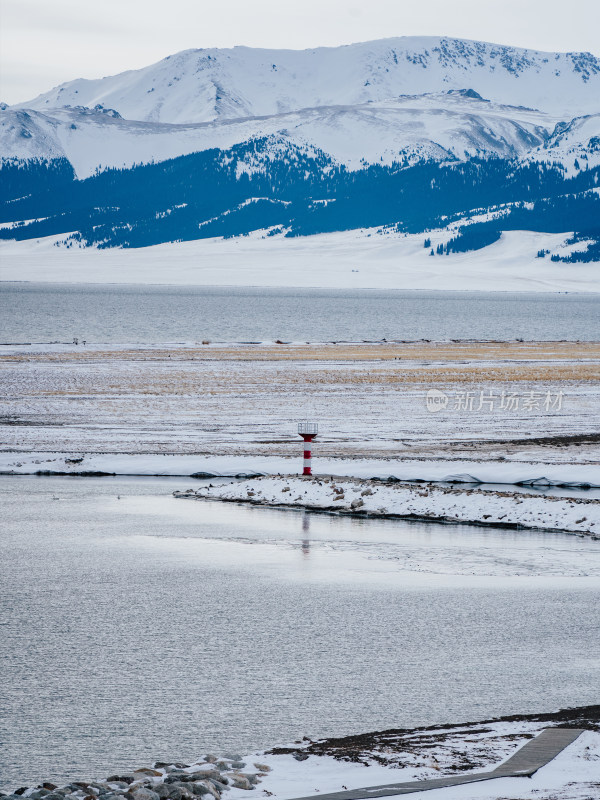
[52, 312]
[135, 627]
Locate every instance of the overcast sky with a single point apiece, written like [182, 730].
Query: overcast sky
[46, 42]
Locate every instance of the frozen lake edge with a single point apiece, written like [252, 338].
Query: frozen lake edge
[420, 502]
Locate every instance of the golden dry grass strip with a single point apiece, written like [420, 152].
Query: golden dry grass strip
[412, 351]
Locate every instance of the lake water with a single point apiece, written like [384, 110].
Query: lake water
[31, 312]
[135, 627]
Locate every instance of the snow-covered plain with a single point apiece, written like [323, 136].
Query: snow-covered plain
[351, 259]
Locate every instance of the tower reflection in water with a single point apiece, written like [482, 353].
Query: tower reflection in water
[306, 533]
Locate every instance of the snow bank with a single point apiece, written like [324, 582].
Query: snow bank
[423, 502]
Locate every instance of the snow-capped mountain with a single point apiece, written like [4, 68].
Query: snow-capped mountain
[401, 100]
[407, 132]
[218, 84]
[408, 129]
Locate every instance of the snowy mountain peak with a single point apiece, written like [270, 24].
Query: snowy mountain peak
[218, 84]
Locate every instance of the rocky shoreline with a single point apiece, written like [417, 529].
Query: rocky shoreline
[208, 778]
[421, 752]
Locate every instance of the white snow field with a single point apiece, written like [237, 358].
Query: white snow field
[356, 259]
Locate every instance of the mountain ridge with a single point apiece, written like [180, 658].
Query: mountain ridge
[224, 83]
[412, 128]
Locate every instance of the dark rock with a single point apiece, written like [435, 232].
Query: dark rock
[211, 790]
[201, 774]
[121, 779]
[240, 782]
[238, 765]
[199, 789]
[300, 756]
[21, 790]
[186, 791]
[175, 777]
[204, 774]
[142, 793]
[48, 785]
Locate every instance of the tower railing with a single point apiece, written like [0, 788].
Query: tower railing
[308, 428]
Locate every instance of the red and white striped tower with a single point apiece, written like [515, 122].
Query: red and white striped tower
[308, 431]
